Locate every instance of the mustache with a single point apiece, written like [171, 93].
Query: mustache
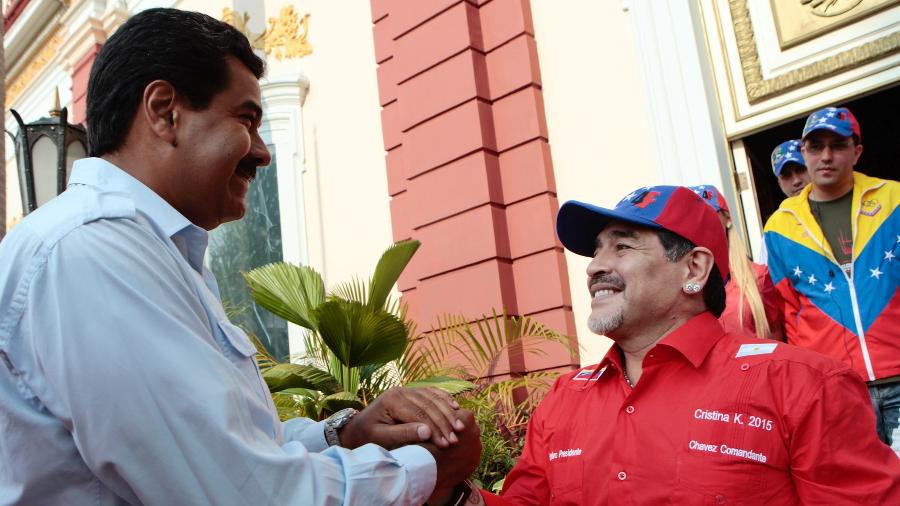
[607, 279]
[247, 166]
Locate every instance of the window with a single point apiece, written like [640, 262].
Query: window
[243, 245]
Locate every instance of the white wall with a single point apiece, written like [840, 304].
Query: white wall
[348, 220]
[596, 117]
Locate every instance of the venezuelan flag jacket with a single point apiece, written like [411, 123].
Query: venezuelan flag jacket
[853, 317]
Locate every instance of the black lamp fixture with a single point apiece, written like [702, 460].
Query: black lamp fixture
[45, 152]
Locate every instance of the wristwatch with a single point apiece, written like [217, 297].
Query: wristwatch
[335, 422]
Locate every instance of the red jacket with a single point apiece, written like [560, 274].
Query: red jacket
[717, 418]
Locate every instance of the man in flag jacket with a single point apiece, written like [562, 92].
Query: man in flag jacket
[832, 254]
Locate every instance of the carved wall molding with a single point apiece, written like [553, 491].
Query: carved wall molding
[758, 88]
[284, 38]
[18, 84]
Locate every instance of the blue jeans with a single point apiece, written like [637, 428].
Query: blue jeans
[886, 401]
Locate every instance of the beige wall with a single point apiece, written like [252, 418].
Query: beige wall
[596, 118]
[348, 220]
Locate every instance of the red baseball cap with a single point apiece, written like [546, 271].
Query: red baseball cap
[674, 208]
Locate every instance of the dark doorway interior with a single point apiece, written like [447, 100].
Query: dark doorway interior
[879, 120]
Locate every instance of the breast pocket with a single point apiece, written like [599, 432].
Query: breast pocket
[235, 345]
[238, 348]
[724, 461]
[718, 481]
[567, 481]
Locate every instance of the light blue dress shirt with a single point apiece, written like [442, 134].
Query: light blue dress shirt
[122, 380]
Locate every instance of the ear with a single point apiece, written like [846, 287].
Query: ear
[857, 152]
[158, 107]
[699, 263]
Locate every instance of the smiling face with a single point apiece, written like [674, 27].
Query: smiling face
[635, 290]
[219, 151]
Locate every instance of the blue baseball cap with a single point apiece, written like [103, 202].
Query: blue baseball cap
[712, 196]
[674, 208]
[787, 152]
[834, 119]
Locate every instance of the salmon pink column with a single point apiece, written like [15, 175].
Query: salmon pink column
[80, 75]
[468, 163]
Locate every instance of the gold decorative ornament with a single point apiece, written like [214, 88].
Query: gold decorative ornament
[829, 8]
[12, 222]
[18, 84]
[285, 36]
[758, 88]
[798, 21]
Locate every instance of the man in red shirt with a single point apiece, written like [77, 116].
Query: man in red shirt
[680, 411]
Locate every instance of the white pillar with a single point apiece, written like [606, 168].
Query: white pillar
[685, 117]
[283, 97]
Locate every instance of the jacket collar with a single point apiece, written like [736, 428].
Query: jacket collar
[693, 340]
[101, 174]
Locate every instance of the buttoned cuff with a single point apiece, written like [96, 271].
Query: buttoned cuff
[310, 435]
[421, 471]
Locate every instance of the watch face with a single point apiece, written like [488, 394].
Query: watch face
[343, 416]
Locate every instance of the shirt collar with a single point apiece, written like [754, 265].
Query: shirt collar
[693, 340]
[190, 239]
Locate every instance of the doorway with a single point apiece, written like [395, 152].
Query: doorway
[879, 123]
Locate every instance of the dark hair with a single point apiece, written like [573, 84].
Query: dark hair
[187, 49]
[676, 247]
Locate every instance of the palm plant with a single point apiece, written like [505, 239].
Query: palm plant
[351, 334]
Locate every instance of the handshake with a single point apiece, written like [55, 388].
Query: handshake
[428, 417]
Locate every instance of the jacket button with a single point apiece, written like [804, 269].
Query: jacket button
[629, 409]
[622, 475]
[744, 367]
[720, 499]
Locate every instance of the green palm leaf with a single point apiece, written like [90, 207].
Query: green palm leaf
[358, 336]
[450, 385]
[284, 376]
[289, 291]
[479, 346]
[389, 267]
[354, 290]
[336, 402]
[291, 405]
[264, 360]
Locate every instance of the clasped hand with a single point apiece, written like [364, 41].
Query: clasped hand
[426, 416]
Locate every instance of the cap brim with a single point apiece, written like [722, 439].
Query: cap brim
[839, 131]
[579, 223]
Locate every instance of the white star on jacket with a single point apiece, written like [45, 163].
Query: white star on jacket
[797, 271]
[876, 273]
[889, 256]
[829, 287]
[812, 279]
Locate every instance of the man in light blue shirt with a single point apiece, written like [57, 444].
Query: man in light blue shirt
[121, 378]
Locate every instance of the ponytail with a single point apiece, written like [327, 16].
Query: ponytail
[742, 273]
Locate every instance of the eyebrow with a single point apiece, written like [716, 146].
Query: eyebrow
[253, 106]
[619, 234]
